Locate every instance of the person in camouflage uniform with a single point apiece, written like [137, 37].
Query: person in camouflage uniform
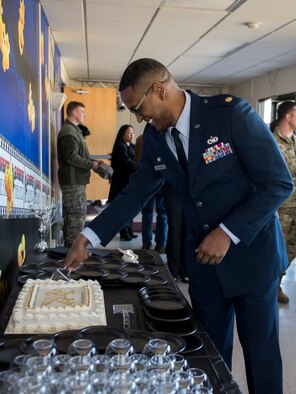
[285, 135]
[74, 171]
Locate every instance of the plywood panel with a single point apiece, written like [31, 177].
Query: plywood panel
[100, 105]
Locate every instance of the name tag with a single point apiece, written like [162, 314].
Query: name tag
[160, 167]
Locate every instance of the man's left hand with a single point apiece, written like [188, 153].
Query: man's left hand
[213, 247]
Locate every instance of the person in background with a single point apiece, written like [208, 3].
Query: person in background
[284, 133]
[225, 166]
[156, 202]
[74, 171]
[123, 164]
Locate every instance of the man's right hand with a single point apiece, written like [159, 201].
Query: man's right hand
[77, 254]
[95, 164]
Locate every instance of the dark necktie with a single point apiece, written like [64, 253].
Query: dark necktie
[180, 149]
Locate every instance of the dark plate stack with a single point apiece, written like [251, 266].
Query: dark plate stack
[168, 311]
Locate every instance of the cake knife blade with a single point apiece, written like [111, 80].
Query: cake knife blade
[62, 276]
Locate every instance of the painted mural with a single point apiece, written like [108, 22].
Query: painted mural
[28, 128]
[25, 130]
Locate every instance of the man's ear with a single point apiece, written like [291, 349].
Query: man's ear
[159, 89]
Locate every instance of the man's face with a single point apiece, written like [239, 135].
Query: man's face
[292, 118]
[151, 108]
[79, 114]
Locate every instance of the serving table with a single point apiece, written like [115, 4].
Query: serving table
[124, 283]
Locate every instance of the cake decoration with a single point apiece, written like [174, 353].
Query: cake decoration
[46, 306]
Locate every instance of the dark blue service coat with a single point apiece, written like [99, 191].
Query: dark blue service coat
[237, 176]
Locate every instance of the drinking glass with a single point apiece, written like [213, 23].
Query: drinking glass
[44, 348]
[82, 347]
[156, 347]
[120, 383]
[200, 378]
[160, 363]
[184, 379]
[140, 361]
[120, 363]
[80, 366]
[98, 382]
[21, 363]
[119, 347]
[5, 385]
[76, 385]
[142, 379]
[201, 390]
[162, 384]
[11, 383]
[39, 367]
[29, 385]
[59, 362]
[179, 363]
[101, 362]
[56, 382]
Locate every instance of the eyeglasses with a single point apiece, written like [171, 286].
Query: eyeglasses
[135, 110]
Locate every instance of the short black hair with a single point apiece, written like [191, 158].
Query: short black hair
[72, 105]
[273, 124]
[142, 69]
[284, 108]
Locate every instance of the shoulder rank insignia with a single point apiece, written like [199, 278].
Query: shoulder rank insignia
[228, 99]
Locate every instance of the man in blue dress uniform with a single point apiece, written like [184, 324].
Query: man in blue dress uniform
[232, 182]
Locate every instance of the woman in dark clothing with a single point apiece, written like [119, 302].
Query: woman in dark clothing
[123, 164]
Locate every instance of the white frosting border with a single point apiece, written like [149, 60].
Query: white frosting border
[39, 321]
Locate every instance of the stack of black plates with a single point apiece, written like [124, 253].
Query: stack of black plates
[59, 252]
[168, 311]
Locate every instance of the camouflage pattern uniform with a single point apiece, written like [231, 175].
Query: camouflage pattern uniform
[74, 211]
[74, 173]
[287, 212]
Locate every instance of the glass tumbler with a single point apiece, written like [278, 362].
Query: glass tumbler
[119, 346]
[28, 385]
[80, 366]
[200, 378]
[179, 363]
[184, 379]
[82, 347]
[122, 364]
[161, 364]
[76, 385]
[20, 362]
[100, 362]
[120, 384]
[39, 367]
[156, 347]
[44, 348]
[59, 362]
[140, 361]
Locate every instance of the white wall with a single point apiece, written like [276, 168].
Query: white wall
[274, 83]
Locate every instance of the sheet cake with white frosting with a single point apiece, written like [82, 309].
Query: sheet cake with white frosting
[47, 306]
